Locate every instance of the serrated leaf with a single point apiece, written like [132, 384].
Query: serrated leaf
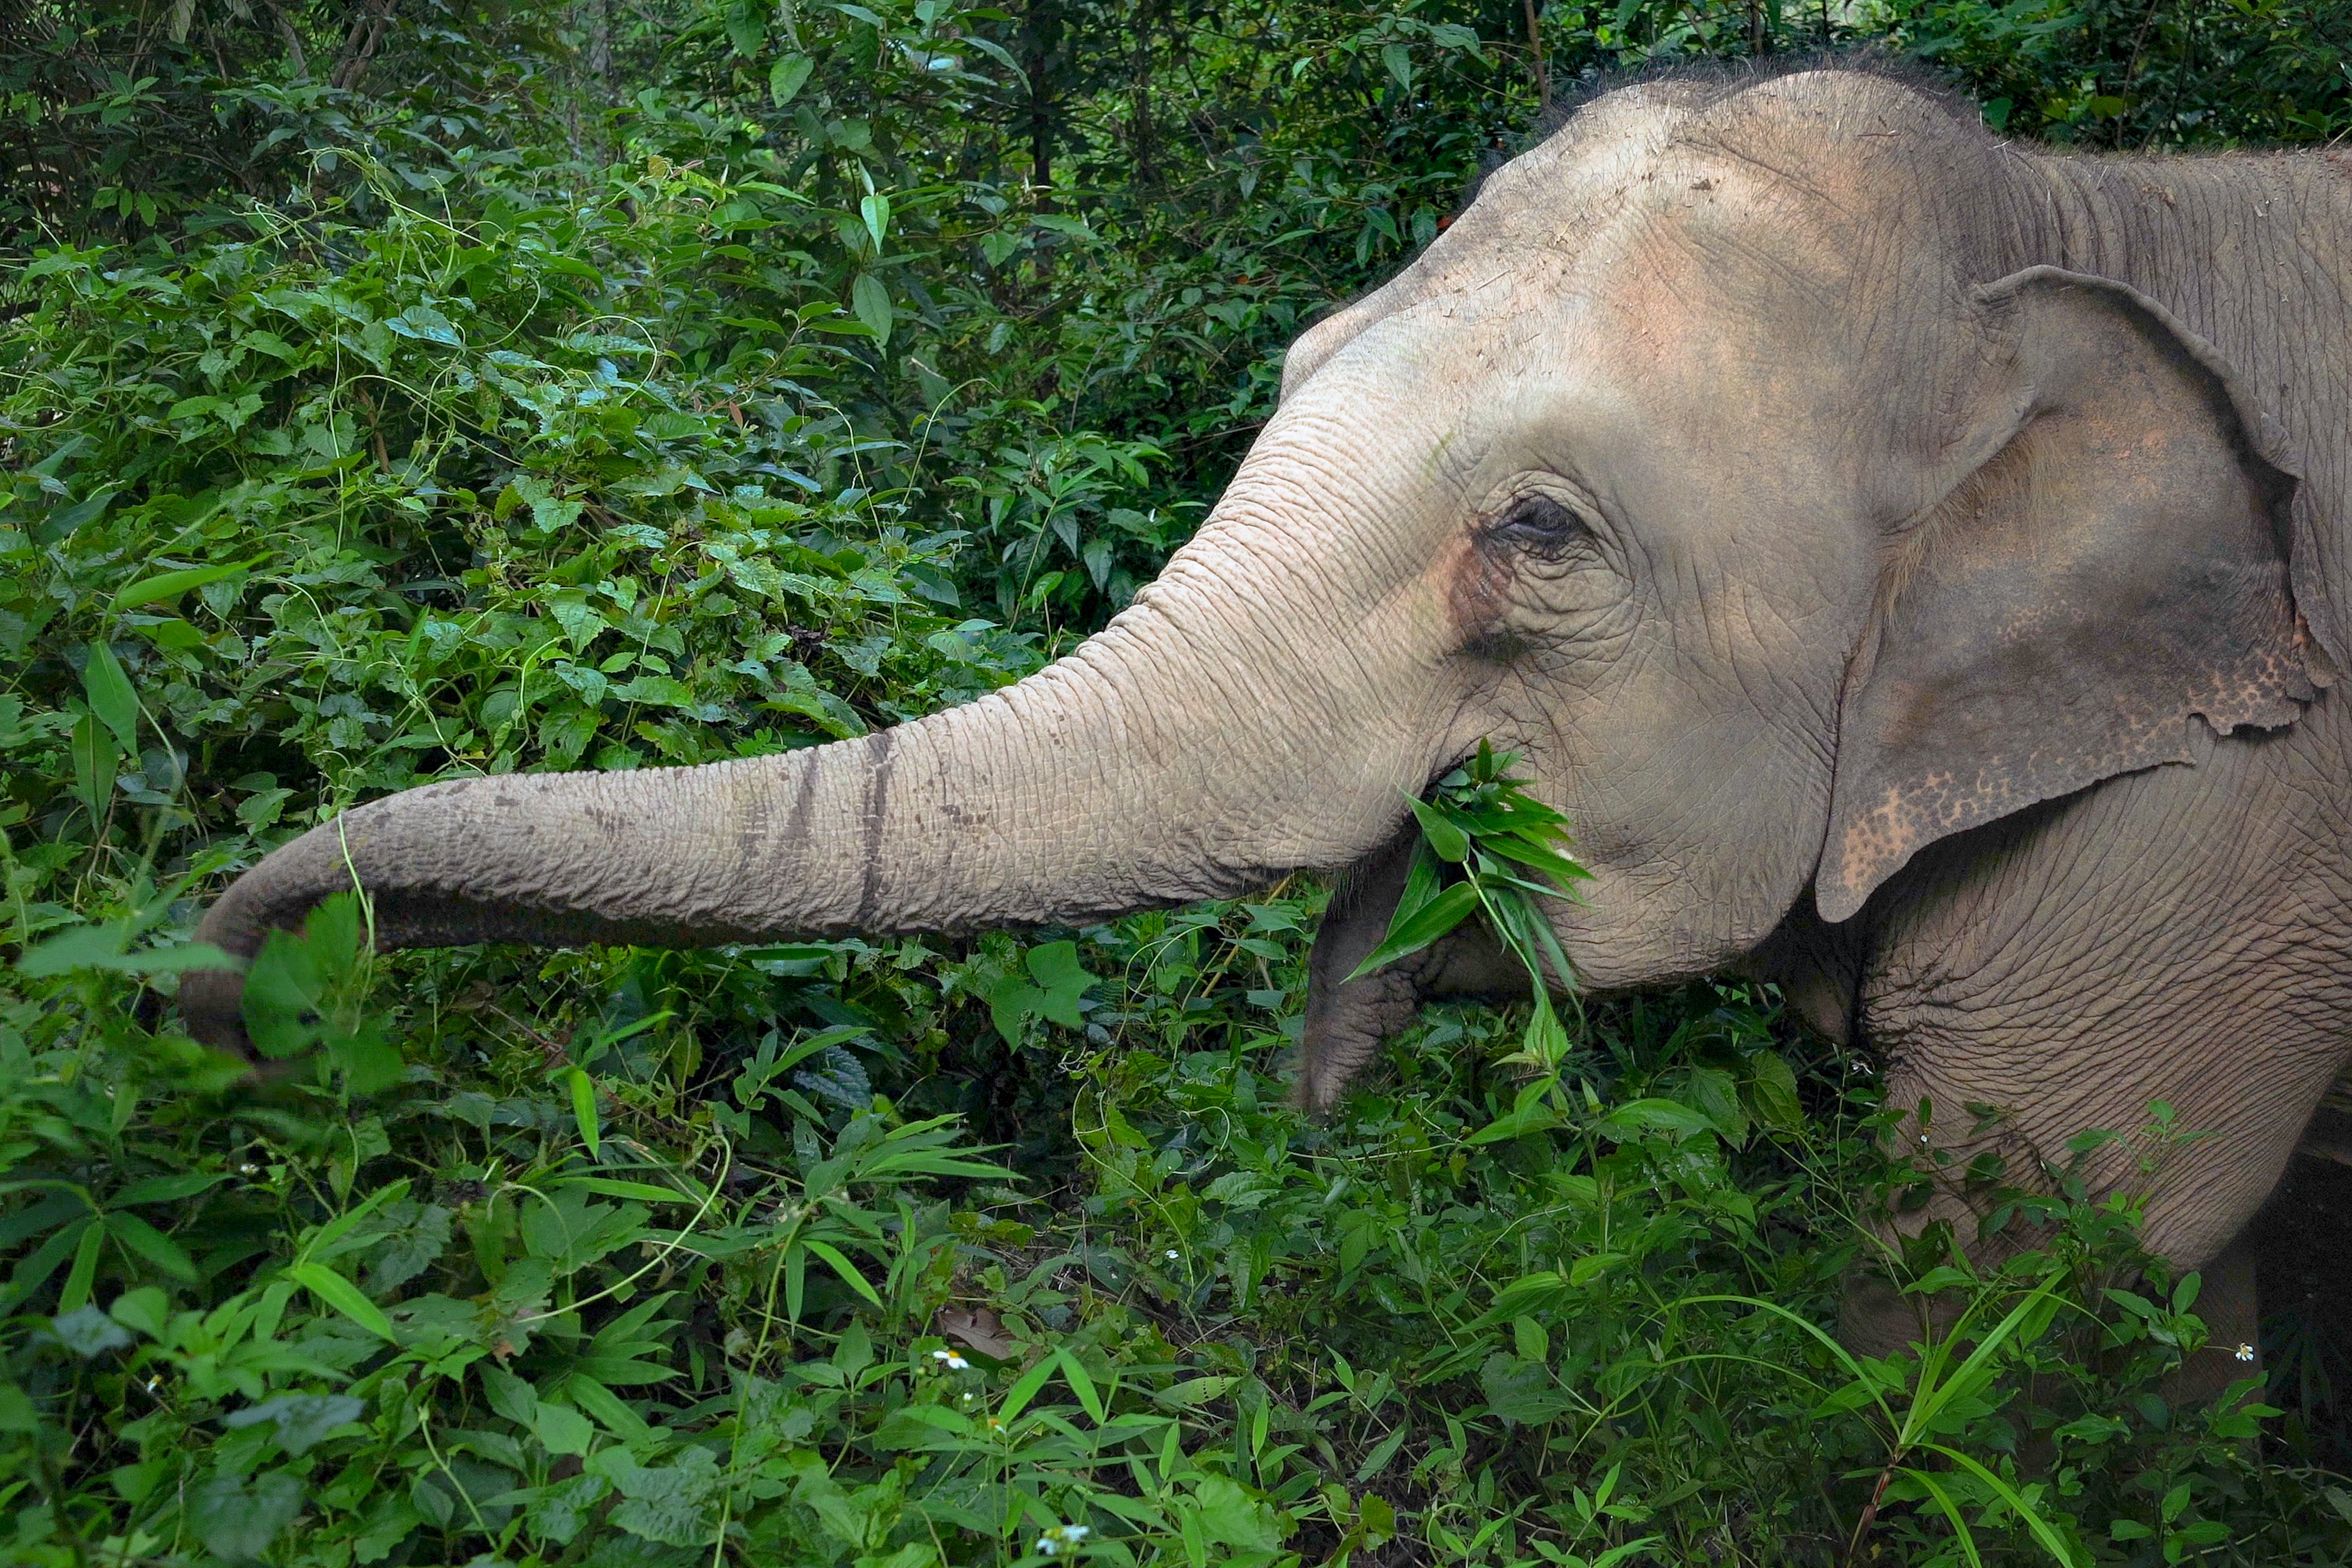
[1772, 1092]
[674, 1504]
[747, 27]
[557, 1512]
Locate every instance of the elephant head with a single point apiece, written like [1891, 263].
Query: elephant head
[1728, 458]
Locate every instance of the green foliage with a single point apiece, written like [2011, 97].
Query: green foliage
[2104, 74]
[1483, 821]
[392, 393]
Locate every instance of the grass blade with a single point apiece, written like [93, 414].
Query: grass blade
[583, 1112]
[333, 1291]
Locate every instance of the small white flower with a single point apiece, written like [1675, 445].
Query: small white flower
[1053, 1541]
[1171, 1255]
[957, 1363]
[2245, 1352]
[943, 1355]
[248, 1169]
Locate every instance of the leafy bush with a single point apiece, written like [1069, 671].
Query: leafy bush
[574, 389]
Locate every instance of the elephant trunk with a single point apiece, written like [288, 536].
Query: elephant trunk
[1222, 730]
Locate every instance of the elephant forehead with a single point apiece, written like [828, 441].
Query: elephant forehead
[1794, 183]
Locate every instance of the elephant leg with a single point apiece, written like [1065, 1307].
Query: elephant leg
[2233, 1317]
[2104, 965]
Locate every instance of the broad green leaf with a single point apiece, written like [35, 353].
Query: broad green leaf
[238, 1524]
[1399, 61]
[1635, 1118]
[332, 1290]
[1062, 979]
[1421, 881]
[787, 77]
[563, 1430]
[1451, 843]
[366, 1056]
[583, 1112]
[1081, 1384]
[107, 946]
[747, 27]
[1560, 867]
[1025, 1389]
[94, 761]
[1521, 1392]
[282, 996]
[1232, 1516]
[1591, 1265]
[111, 697]
[303, 1420]
[135, 1234]
[426, 324]
[74, 1294]
[1533, 1112]
[644, 1192]
[842, 1266]
[89, 1333]
[1423, 926]
[1772, 1092]
[871, 300]
[166, 586]
[63, 523]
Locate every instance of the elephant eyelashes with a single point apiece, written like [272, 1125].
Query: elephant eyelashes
[1539, 526]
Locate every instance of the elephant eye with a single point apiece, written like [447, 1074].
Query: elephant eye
[1540, 526]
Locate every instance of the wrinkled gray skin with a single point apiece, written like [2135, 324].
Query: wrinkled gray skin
[1915, 562]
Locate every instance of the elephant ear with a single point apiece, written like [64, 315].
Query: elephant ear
[2108, 558]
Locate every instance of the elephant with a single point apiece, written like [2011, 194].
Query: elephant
[1919, 564]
